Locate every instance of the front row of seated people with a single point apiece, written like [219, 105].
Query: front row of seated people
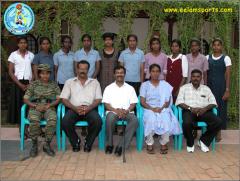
[82, 95]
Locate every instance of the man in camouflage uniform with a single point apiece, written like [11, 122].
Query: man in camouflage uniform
[42, 96]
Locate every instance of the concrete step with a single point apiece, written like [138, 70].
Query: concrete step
[228, 136]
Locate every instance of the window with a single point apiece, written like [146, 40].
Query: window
[32, 43]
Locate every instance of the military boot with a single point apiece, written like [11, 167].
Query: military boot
[34, 149]
[47, 149]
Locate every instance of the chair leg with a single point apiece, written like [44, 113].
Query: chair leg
[180, 142]
[213, 144]
[22, 130]
[101, 138]
[63, 141]
[139, 138]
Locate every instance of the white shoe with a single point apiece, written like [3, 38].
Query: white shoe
[203, 147]
[190, 149]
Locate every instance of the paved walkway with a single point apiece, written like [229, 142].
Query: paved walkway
[223, 164]
[228, 136]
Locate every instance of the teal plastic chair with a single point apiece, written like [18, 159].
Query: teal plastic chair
[139, 131]
[201, 124]
[43, 122]
[82, 123]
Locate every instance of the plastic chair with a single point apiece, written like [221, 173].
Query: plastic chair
[82, 123]
[201, 124]
[43, 122]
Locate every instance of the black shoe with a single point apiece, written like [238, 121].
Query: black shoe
[77, 148]
[118, 151]
[47, 149]
[34, 149]
[87, 148]
[109, 149]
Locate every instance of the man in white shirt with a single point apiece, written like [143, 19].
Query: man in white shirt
[197, 101]
[120, 100]
[81, 95]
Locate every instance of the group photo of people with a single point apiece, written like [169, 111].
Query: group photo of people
[120, 90]
[84, 79]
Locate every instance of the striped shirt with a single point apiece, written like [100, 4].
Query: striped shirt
[196, 98]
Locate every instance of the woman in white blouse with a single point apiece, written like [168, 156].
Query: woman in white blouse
[219, 79]
[177, 68]
[20, 71]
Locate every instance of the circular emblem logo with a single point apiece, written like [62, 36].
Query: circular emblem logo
[19, 18]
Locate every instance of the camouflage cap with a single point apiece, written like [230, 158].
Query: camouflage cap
[45, 67]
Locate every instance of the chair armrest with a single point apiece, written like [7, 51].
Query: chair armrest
[139, 109]
[59, 107]
[101, 110]
[63, 110]
[139, 114]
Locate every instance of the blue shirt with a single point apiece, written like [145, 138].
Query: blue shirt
[65, 65]
[91, 57]
[43, 58]
[132, 62]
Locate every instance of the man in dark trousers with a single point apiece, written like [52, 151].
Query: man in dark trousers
[81, 95]
[197, 102]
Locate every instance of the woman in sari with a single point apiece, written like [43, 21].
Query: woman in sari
[156, 99]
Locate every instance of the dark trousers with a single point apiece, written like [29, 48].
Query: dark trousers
[94, 126]
[222, 112]
[213, 126]
[136, 86]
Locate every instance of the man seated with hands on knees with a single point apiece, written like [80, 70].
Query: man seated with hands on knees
[120, 100]
[197, 102]
[81, 95]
